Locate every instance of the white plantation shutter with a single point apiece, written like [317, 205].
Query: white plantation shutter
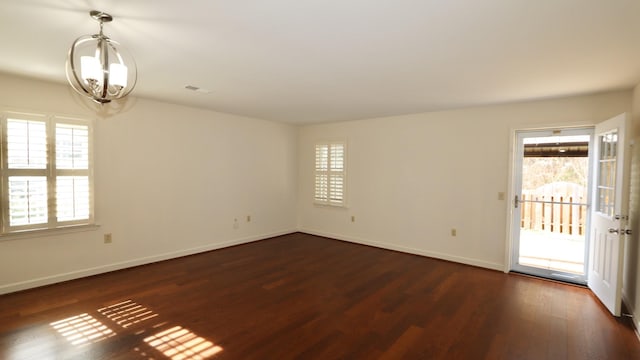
[46, 172]
[73, 195]
[27, 200]
[336, 194]
[25, 172]
[330, 175]
[322, 170]
[72, 146]
[336, 174]
[322, 187]
[26, 144]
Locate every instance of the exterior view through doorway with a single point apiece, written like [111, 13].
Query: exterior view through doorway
[551, 205]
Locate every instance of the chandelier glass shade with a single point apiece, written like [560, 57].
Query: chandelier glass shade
[99, 67]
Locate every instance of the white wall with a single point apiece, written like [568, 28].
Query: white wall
[631, 280]
[413, 178]
[169, 181]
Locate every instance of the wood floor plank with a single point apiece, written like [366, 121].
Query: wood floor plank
[300, 296]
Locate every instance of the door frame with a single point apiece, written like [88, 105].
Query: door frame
[515, 181]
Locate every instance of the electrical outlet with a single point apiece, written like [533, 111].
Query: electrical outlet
[236, 225]
[107, 238]
[500, 196]
[353, 218]
[454, 232]
[248, 218]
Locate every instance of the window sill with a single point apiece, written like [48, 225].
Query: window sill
[27, 234]
[328, 205]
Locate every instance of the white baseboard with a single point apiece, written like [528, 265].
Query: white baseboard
[634, 316]
[409, 250]
[48, 280]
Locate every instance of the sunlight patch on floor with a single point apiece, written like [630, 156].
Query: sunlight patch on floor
[82, 329]
[178, 343]
[127, 313]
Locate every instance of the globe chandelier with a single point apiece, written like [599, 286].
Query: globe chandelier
[99, 67]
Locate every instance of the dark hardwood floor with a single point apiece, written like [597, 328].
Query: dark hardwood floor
[306, 297]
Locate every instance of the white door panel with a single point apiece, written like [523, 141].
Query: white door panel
[610, 193]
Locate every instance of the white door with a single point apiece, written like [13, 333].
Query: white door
[609, 213]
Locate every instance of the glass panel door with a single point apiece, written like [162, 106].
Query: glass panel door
[551, 206]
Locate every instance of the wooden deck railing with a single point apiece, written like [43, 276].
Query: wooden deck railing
[563, 210]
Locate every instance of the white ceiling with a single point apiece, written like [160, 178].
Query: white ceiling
[305, 61]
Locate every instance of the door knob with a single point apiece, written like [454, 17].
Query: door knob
[613, 231]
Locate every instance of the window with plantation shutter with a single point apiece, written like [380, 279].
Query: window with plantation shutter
[26, 172]
[330, 173]
[46, 172]
[72, 172]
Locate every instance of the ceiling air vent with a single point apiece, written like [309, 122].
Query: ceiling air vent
[197, 89]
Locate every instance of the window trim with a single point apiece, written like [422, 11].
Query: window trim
[52, 226]
[37, 233]
[316, 173]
